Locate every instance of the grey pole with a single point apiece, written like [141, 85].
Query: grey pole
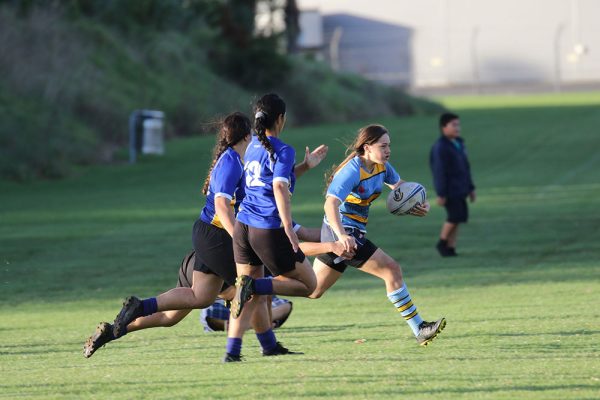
[557, 70]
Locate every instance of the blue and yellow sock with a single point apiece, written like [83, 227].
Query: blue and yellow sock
[402, 301]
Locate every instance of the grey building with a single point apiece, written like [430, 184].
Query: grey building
[432, 43]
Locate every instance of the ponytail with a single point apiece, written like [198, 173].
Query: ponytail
[260, 127]
[218, 150]
[268, 109]
[234, 128]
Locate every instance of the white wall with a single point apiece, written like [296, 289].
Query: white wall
[464, 41]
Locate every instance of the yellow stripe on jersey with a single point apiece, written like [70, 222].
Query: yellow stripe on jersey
[362, 202]
[356, 217]
[377, 169]
[216, 222]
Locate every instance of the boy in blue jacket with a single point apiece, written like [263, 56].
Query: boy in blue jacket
[452, 181]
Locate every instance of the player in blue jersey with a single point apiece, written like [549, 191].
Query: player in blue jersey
[212, 241]
[263, 233]
[352, 187]
[214, 262]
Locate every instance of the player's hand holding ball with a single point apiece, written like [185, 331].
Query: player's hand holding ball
[420, 210]
[409, 198]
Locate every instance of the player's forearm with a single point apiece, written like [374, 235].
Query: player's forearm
[332, 206]
[309, 234]
[301, 168]
[316, 248]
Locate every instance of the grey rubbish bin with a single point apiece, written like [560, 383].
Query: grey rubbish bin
[146, 133]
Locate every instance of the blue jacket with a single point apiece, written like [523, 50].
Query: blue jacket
[450, 168]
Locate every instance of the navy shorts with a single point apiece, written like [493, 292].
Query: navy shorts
[214, 251]
[271, 247]
[365, 249]
[457, 210]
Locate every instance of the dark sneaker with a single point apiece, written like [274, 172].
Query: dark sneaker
[429, 330]
[102, 336]
[452, 252]
[231, 358]
[279, 350]
[132, 309]
[278, 322]
[443, 249]
[244, 289]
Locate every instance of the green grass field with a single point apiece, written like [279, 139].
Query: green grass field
[522, 300]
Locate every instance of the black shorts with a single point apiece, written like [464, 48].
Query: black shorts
[365, 249]
[271, 247]
[457, 210]
[186, 272]
[214, 251]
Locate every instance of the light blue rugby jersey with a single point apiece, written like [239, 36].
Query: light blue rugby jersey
[225, 181]
[258, 209]
[357, 188]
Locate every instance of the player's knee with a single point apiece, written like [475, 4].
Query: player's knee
[311, 286]
[260, 299]
[200, 302]
[169, 322]
[393, 271]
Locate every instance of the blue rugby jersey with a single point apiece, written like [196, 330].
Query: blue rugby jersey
[357, 188]
[258, 209]
[225, 181]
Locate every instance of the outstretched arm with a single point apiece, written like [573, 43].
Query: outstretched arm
[311, 159]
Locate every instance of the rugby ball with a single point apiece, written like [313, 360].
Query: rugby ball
[406, 196]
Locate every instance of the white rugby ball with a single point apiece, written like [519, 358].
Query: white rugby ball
[405, 197]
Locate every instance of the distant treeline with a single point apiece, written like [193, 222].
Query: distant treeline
[72, 71]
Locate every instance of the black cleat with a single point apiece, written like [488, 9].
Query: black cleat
[443, 249]
[132, 309]
[452, 252]
[279, 350]
[231, 358]
[244, 289]
[429, 330]
[101, 336]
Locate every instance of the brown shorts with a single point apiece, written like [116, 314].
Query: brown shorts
[271, 247]
[186, 272]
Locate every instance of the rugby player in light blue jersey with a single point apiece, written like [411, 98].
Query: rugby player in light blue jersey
[352, 187]
[263, 233]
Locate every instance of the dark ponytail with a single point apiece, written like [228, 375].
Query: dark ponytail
[234, 128]
[268, 109]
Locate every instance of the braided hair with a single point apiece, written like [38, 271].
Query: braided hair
[268, 109]
[234, 128]
[369, 134]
